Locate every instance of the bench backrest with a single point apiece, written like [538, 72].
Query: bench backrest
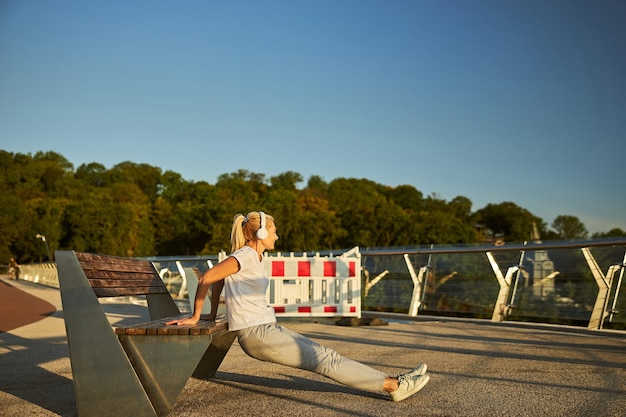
[85, 277]
[112, 276]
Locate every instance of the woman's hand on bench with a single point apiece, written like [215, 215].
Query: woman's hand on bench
[183, 321]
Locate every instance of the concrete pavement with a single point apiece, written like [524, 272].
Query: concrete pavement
[477, 369]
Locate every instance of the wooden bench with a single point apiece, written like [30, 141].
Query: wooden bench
[135, 370]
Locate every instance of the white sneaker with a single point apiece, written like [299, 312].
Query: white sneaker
[408, 386]
[420, 370]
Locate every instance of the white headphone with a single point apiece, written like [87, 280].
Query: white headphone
[262, 232]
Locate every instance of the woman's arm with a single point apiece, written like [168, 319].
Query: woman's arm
[216, 274]
[216, 291]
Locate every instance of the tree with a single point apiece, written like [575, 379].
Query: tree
[93, 174]
[146, 177]
[286, 181]
[185, 216]
[51, 169]
[510, 220]
[14, 223]
[569, 227]
[461, 208]
[135, 210]
[368, 215]
[615, 232]
[317, 187]
[441, 222]
[318, 227]
[407, 197]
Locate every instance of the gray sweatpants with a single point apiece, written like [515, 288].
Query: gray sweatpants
[275, 343]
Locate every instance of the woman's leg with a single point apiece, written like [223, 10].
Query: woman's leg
[274, 343]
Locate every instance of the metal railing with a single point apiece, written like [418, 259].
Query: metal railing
[571, 283]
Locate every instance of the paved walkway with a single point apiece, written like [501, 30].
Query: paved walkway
[477, 369]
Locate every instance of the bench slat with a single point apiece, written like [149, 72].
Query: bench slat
[104, 282]
[113, 276]
[94, 273]
[104, 261]
[158, 327]
[139, 267]
[127, 291]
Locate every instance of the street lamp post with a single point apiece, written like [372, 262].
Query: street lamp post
[43, 239]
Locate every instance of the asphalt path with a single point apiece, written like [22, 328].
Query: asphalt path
[477, 368]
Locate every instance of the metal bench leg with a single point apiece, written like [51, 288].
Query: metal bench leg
[214, 355]
[164, 364]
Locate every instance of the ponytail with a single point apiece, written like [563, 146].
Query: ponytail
[244, 229]
[237, 237]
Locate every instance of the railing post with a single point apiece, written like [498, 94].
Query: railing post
[599, 312]
[370, 284]
[613, 311]
[500, 309]
[418, 284]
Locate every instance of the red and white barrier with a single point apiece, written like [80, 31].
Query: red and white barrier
[315, 286]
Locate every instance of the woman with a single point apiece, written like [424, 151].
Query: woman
[250, 316]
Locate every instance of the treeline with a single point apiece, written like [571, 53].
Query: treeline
[138, 210]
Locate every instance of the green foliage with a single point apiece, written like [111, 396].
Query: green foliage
[509, 220]
[615, 232]
[138, 210]
[569, 227]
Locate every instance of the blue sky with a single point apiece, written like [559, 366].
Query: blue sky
[493, 100]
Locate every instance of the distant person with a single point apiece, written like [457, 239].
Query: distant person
[254, 321]
[14, 269]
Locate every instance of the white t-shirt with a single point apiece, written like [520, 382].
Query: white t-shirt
[245, 292]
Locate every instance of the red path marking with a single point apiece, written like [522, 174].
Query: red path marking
[18, 308]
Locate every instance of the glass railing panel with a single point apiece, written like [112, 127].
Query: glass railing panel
[552, 283]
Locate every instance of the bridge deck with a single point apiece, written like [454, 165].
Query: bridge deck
[477, 369]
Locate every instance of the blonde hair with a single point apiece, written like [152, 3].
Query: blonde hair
[245, 227]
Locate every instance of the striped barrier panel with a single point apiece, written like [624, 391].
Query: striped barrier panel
[315, 286]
